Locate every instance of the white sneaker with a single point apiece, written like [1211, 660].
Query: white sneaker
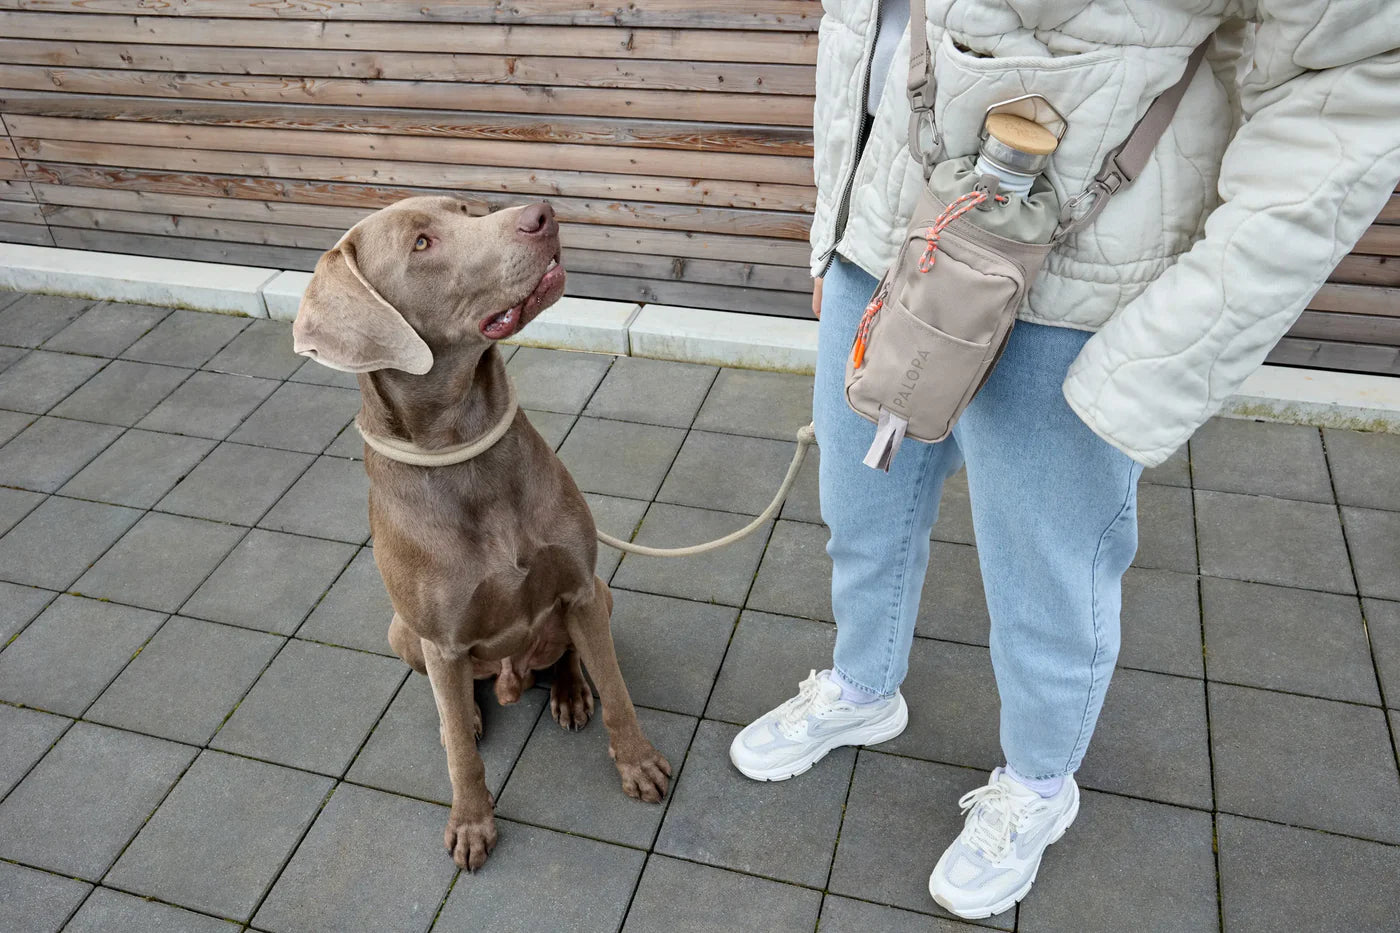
[993, 862]
[786, 741]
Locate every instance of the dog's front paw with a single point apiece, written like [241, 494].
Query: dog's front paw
[645, 775]
[571, 703]
[470, 840]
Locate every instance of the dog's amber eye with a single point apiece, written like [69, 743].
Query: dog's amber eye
[420, 244]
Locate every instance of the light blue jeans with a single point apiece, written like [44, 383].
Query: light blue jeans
[1054, 509]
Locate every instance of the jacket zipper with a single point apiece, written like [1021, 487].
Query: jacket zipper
[844, 206]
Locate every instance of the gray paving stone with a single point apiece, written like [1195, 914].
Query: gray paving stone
[25, 735]
[722, 576]
[1280, 878]
[899, 814]
[1285, 639]
[405, 754]
[727, 472]
[618, 458]
[108, 911]
[330, 500]
[186, 338]
[1127, 864]
[235, 483]
[652, 391]
[12, 422]
[1166, 529]
[218, 840]
[1151, 740]
[953, 706]
[675, 895]
[80, 805]
[312, 708]
[123, 393]
[1374, 537]
[33, 319]
[348, 444]
[778, 819]
[1176, 471]
[44, 455]
[1304, 761]
[263, 348]
[355, 612]
[69, 655]
[1383, 623]
[567, 781]
[208, 405]
[107, 329]
[317, 374]
[18, 607]
[1365, 468]
[11, 355]
[618, 517]
[185, 680]
[757, 404]
[953, 604]
[804, 499]
[1161, 622]
[795, 575]
[768, 657]
[372, 861]
[1272, 541]
[56, 542]
[138, 468]
[299, 417]
[1282, 460]
[553, 427]
[160, 561]
[843, 915]
[556, 380]
[36, 901]
[669, 649]
[955, 512]
[42, 379]
[15, 504]
[270, 581]
[580, 885]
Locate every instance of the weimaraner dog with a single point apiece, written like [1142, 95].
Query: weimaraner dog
[488, 561]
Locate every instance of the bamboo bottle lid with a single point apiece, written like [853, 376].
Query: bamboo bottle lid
[1018, 144]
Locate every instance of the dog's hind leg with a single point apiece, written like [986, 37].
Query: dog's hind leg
[407, 644]
[570, 696]
[644, 771]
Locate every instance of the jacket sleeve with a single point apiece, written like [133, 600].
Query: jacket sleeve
[1308, 170]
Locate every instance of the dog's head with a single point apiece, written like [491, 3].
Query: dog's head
[424, 273]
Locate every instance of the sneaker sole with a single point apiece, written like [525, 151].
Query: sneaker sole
[1012, 900]
[880, 732]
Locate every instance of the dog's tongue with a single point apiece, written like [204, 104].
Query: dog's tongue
[502, 325]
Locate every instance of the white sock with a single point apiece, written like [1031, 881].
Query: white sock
[1045, 787]
[853, 693]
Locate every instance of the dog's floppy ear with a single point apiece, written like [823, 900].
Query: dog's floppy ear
[344, 323]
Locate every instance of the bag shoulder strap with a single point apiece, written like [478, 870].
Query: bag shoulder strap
[1120, 166]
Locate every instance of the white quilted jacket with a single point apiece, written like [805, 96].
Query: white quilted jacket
[1283, 151]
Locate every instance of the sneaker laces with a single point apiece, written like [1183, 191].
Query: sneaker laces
[794, 712]
[996, 815]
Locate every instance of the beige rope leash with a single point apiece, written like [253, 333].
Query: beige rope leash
[412, 454]
[805, 437]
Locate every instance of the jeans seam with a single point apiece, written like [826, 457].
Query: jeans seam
[1084, 724]
[900, 590]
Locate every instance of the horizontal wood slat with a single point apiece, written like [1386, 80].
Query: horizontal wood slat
[1327, 354]
[1352, 328]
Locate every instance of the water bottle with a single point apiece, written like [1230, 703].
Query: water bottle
[1015, 150]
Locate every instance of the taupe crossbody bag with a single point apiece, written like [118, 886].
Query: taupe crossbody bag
[942, 314]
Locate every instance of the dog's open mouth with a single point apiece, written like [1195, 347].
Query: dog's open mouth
[510, 321]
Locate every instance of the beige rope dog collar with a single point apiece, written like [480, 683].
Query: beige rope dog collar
[412, 454]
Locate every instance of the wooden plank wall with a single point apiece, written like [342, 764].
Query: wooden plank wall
[673, 138]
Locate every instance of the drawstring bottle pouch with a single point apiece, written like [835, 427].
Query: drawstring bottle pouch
[980, 233]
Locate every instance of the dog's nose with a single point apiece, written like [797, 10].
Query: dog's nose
[536, 220]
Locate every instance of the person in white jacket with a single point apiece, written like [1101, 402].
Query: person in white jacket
[1283, 150]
